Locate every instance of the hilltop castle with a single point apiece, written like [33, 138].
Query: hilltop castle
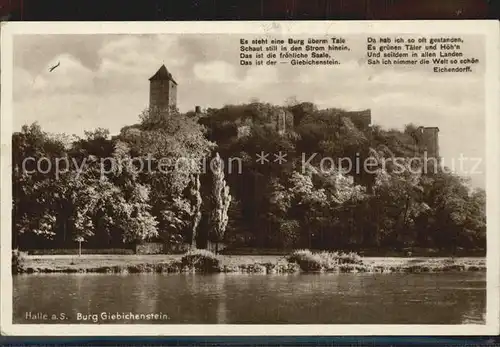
[163, 96]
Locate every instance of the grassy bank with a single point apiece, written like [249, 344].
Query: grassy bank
[371, 252]
[205, 262]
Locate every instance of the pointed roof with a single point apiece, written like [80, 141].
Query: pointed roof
[162, 74]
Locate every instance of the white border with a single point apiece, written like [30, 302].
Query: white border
[490, 29]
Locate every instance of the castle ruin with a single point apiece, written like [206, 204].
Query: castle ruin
[362, 119]
[428, 139]
[163, 97]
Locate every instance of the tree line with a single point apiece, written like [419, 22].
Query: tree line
[294, 203]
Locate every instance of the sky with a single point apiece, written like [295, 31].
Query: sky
[102, 81]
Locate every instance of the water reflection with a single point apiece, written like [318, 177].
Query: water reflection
[220, 287]
[260, 299]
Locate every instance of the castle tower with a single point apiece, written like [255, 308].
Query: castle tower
[427, 138]
[430, 141]
[162, 90]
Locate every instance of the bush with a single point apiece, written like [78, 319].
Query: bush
[17, 261]
[307, 261]
[254, 251]
[201, 260]
[298, 255]
[323, 261]
[349, 258]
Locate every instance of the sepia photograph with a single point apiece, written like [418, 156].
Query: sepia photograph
[297, 178]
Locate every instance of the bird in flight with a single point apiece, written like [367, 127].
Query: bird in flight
[53, 67]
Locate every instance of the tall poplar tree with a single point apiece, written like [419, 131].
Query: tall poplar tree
[221, 199]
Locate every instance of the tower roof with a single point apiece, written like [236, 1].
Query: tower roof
[162, 75]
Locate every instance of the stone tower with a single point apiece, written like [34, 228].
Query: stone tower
[429, 140]
[162, 90]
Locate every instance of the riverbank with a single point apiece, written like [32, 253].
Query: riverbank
[241, 264]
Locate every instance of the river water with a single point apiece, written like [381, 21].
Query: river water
[444, 298]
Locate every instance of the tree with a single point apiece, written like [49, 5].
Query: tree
[154, 186]
[221, 199]
[196, 201]
[34, 212]
[308, 204]
[457, 217]
[398, 192]
[135, 219]
[173, 145]
[282, 229]
[79, 239]
[237, 231]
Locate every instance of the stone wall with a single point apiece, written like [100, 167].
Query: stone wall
[162, 94]
[282, 121]
[362, 119]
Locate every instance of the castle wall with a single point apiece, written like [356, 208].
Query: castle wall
[282, 121]
[362, 119]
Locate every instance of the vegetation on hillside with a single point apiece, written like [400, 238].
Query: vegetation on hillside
[149, 183]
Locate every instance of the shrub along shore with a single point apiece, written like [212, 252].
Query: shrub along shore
[202, 261]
